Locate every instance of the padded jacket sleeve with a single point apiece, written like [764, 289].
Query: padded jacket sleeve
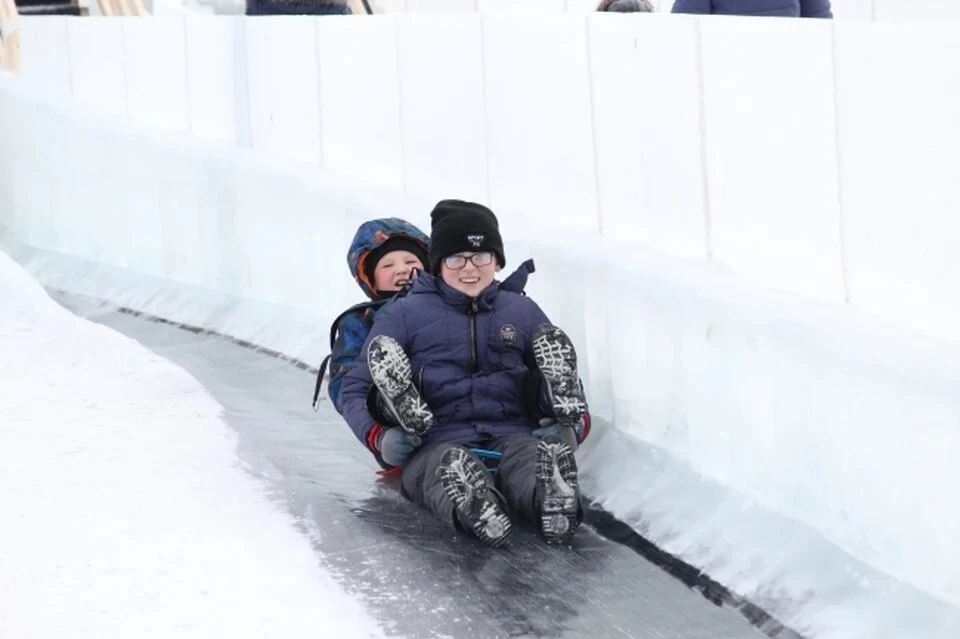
[815, 9]
[692, 6]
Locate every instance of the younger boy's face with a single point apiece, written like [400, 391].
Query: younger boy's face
[462, 272]
[393, 270]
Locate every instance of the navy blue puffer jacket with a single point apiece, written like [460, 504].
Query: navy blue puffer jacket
[784, 8]
[470, 357]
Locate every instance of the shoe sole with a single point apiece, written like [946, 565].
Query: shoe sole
[390, 370]
[463, 479]
[557, 360]
[559, 487]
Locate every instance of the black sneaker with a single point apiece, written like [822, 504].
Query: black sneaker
[464, 479]
[390, 370]
[558, 490]
[557, 360]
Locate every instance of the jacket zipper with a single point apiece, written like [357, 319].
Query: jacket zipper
[473, 336]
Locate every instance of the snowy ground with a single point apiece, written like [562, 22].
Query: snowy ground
[125, 512]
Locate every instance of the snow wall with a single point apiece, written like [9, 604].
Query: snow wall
[746, 225]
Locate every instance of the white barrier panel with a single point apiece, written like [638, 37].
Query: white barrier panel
[539, 131]
[777, 412]
[900, 154]
[216, 78]
[439, 6]
[43, 50]
[852, 10]
[582, 6]
[531, 7]
[96, 64]
[154, 56]
[441, 102]
[392, 6]
[771, 152]
[281, 60]
[360, 98]
[646, 117]
[921, 10]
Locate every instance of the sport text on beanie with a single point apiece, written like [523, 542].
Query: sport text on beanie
[457, 226]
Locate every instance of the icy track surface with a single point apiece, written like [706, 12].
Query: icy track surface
[125, 512]
[417, 576]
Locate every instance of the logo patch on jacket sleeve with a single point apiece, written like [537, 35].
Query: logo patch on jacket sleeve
[508, 334]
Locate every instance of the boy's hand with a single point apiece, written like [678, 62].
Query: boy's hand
[396, 446]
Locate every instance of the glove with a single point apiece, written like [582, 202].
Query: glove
[566, 433]
[396, 446]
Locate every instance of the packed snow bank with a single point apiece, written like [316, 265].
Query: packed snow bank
[125, 511]
[809, 435]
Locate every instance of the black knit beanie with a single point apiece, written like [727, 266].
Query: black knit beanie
[457, 226]
[396, 243]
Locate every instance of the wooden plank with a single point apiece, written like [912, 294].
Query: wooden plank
[357, 7]
[9, 36]
[122, 8]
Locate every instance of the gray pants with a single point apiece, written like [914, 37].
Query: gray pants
[515, 478]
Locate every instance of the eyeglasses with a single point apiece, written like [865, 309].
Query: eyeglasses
[457, 262]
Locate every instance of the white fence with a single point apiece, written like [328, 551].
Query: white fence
[810, 156]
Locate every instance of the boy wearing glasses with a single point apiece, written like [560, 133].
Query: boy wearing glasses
[464, 362]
